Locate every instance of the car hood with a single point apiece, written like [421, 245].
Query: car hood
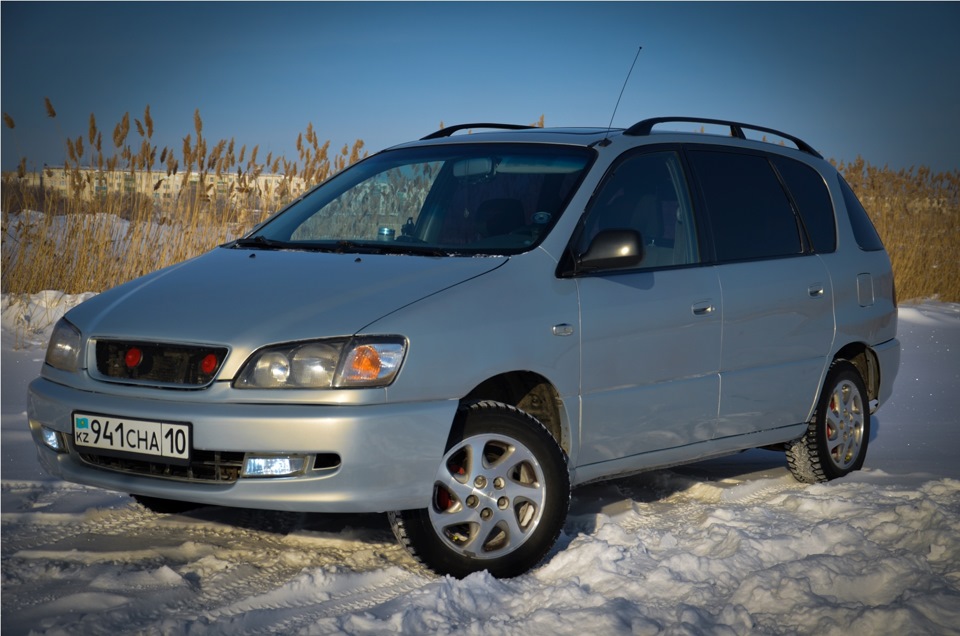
[245, 299]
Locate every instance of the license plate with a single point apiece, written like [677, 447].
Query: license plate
[122, 435]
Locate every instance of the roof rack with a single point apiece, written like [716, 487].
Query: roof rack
[449, 130]
[644, 127]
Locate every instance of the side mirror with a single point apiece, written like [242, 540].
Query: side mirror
[612, 249]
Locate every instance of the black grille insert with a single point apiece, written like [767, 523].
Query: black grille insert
[208, 466]
[159, 363]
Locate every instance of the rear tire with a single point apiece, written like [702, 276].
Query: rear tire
[835, 443]
[500, 496]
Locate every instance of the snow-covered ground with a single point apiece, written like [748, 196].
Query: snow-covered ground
[730, 546]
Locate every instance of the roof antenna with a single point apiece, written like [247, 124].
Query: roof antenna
[606, 140]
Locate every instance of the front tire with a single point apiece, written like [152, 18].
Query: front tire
[835, 443]
[500, 496]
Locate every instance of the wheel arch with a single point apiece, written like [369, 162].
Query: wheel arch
[532, 393]
[865, 360]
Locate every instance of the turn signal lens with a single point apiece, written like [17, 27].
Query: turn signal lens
[363, 365]
[372, 363]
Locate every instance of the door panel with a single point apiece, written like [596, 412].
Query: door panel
[777, 333]
[777, 298]
[650, 361]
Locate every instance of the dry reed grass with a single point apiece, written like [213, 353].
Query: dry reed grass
[82, 243]
[917, 213]
[104, 230]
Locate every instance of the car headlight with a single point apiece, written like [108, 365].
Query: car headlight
[324, 364]
[63, 352]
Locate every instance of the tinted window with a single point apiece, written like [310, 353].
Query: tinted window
[813, 200]
[863, 230]
[750, 214]
[648, 193]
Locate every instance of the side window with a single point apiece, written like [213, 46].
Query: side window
[648, 193]
[750, 214]
[813, 200]
[863, 229]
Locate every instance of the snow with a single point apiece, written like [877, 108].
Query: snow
[729, 546]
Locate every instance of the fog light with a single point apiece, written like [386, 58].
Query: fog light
[273, 466]
[52, 439]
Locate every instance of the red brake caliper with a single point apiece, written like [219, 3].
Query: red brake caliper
[444, 501]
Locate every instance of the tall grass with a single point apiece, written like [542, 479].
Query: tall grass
[917, 213]
[78, 242]
[105, 230]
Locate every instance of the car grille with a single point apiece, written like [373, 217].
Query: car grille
[205, 466]
[158, 364]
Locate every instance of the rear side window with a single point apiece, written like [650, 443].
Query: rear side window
[863, 230]
[813, 201]
[749, 212]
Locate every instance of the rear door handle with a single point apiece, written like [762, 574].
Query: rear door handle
[704, 308]
[815, 290]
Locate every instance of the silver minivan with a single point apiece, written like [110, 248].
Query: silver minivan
[457, 331]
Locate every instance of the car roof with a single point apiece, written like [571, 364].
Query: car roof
[734, 133]
[572, 136]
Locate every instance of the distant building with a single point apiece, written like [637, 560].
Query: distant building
[93, 183]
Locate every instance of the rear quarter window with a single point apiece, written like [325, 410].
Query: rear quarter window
[863, 230]
[813, 202]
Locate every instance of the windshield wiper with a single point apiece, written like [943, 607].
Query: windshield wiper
[339, 247]
[377, 247]
[261, 242]
[418, 250]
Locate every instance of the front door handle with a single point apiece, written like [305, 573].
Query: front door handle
[815, 290]
[563, 329]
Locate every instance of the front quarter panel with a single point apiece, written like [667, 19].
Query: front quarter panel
[500, 322]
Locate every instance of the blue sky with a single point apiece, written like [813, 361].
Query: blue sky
[875, 79]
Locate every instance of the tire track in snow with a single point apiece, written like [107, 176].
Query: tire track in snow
[693, 503]
[256, 574]
[224, 557]
[291, 613]
[264, 554]
[40, 528]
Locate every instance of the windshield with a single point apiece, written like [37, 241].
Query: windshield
[451, 199]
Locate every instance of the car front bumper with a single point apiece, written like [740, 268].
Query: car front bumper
[389, 453]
